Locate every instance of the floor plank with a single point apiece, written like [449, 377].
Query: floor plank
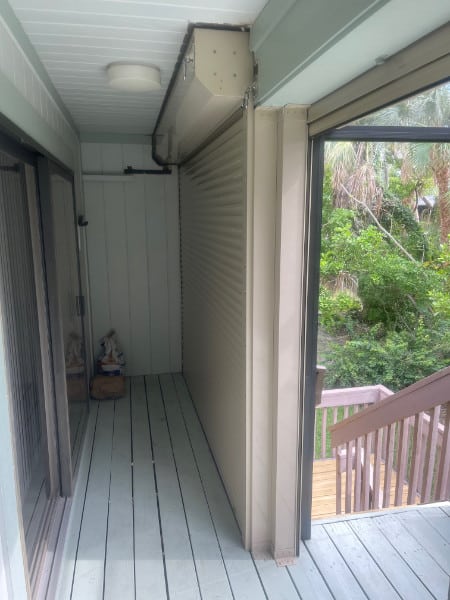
[428, 537]
[413, 553]
[370, 577]
[181, 572]
[334, 569]
[212, 576]
[276, 581]
[90, 557]
[241, 570]
[119, 560]
[389, 560]
[307, 578]
[149, 560]
[436, 517]
[63, 586]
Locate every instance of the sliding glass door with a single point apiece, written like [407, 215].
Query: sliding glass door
[27, 346]
[66, 309]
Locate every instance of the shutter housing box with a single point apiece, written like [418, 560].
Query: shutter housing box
[209, 85]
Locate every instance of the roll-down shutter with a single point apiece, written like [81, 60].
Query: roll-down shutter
[213, 262]
[421, 65]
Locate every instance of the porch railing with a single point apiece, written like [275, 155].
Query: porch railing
[333, 406]
[401, 442]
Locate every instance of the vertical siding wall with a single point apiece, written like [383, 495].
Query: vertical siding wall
[213, 234]
[133, 256]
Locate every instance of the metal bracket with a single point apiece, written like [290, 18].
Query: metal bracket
[186, 61]
[250, 92]
[131, 171]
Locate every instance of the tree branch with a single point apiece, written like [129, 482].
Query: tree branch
[380, 226]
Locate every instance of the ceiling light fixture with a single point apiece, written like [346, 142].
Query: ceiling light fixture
[133, 78]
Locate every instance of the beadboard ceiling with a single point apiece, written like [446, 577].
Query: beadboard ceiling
[76, 39]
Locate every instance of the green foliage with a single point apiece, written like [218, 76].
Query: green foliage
[396, 359]
[391, 313]
[399, 220]
[338, 311]
[392, 289]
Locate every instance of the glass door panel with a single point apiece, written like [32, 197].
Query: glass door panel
[22, 332]
[71, 302]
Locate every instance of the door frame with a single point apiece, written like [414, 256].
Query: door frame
[67, 459]
[34, 554]
[364, 133]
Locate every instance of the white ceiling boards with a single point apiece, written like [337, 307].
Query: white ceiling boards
[77, 39]
[305, 49]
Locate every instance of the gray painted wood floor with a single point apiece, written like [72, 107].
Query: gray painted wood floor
[150, 520]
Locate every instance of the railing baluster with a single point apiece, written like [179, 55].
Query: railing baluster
[335, 415]
[348, 476]
[358, 478]
[324, 432]
[402, 458]
[338, 483]
[377, 468]
[423, 449]
[346, 409]
[335, 418]
[443, 480]
[388, 465]
[384, 447]
[430, 455]
[416, 459]
[366, 472]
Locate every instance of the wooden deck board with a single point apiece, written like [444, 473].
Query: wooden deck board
[62, 586]
[119, 558]
[324, 488]
[180, 566]
[406, 583]
[307, 577]
[414, 554]
[150, 519]
[333, 567]
[212, 576]
[277, 581]
[369, 575]
[148, 550]
[429, 538]
[439, 520]
[90, 559]
[239, 564]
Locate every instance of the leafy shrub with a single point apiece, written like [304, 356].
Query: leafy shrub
[399, 220]
[396, 359]
[337, 311]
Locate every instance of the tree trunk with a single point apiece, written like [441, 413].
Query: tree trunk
[442, 178]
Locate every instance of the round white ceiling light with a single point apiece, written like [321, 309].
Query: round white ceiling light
[133, 78]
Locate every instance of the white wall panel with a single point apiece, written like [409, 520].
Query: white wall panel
[133, 255]
[213, 234]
